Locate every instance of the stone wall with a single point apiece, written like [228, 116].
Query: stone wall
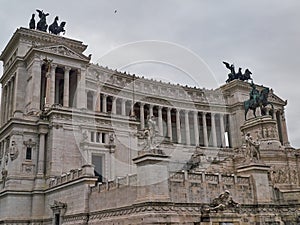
[203, 187]
[118, 193]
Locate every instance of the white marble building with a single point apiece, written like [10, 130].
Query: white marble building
[71, 153]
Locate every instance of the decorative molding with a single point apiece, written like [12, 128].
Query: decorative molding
[62, 51]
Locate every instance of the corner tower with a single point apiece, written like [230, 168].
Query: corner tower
[40, 72]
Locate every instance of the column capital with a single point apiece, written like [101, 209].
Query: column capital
[53, 66]
[142, 104]
[67, 68]
[178, 110]
[159, 107]
[195, 112]
[169, 109]
[124, 100]
[186, 111]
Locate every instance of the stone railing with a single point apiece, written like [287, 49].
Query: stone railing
[129, 180]
[86, 170]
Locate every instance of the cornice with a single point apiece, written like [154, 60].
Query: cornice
[36, 37]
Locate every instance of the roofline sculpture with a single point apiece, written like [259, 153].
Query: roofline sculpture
[42, 25]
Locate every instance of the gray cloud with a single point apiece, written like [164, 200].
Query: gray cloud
[262, 35]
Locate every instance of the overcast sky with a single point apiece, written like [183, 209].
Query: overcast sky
[262, 35]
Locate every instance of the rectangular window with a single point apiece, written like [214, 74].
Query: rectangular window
[92, 136]
[57, 219]
[98, 137]
[97, 161]
[103, 138]
[28, 153]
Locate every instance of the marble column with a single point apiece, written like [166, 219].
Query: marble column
[178, 130]
[160, 120]
[169, 123]
[66, 86]
[52, 85]
[196, 128]
[48, 84]
[285, 139]
[123, 107]
[222, 130]
[213, 129]
[41, 160]
[6, 102]
[104, 103]
[187, 127]
[12, 99]
[35, 87]
[151, 110]
[81, 92]
[114, 105]
[3, 104]
[132, 113]
[98, 101]
[205, 136]
[142, 115]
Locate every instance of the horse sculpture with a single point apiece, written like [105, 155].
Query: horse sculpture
[260, 101]
[55, 29]
[239, 75]
[42, 24]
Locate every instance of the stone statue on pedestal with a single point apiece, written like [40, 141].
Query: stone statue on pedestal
[252, 153]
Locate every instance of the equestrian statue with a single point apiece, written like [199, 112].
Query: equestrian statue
[257, 99]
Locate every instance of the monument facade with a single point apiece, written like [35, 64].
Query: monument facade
[84, 144]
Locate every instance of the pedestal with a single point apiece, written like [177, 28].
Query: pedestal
[263, 129]
[259, 174]
[152, 177]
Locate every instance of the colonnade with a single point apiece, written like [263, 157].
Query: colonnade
[7, 100]
[54, 93]
[184, 126]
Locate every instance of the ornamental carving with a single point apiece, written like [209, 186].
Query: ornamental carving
[222, 202]
[13, 151]
[284, 175]
[62, 50]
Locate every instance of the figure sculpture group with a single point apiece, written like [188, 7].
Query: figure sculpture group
[42, 25]
[223, 202]
[239, 75]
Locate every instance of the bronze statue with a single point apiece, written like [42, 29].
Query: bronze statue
[55, 29]
[257, 99]
[239, 75]
[42, 24]
[32, 22]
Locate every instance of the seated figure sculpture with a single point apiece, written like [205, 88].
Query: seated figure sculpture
[222, 202]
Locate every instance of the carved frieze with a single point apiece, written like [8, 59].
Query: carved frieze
[63, 51]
